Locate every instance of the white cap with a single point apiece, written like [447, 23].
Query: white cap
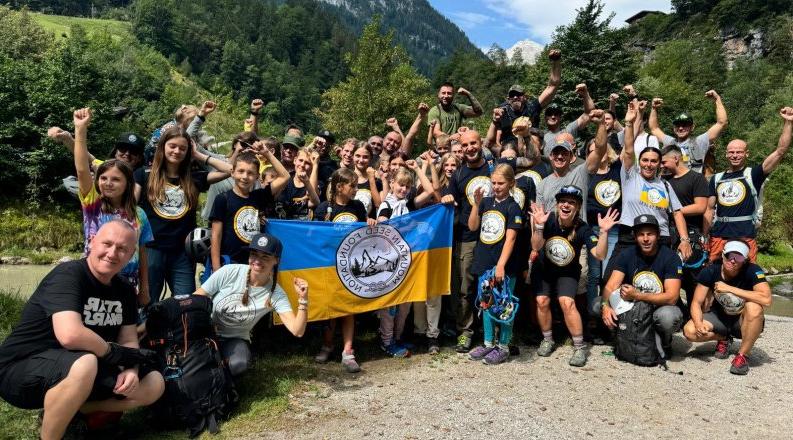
[618, 304]
[736, 246]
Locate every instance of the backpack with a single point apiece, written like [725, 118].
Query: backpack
[198, 387]
[635, 338]
[757, 216]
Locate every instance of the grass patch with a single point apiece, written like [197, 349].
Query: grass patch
[61, 25]
[54, 229]
[780, 258]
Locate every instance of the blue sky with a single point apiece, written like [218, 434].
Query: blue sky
[507, 21]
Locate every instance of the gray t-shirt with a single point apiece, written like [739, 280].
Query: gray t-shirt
[649, 197]
[233, 319]
[550, 186]
[693, 151]
[549, 138]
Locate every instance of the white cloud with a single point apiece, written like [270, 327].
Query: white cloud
[469, 19]
[541, 19]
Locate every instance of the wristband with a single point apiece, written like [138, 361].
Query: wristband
[604, 302]
[302, 302]
[539, 227]
[303, 308]
[685, 240]
[206, 161]
[254, 113]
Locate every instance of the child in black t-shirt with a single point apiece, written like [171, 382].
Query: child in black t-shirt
[300, 196]
[561, 235]
[498, 219]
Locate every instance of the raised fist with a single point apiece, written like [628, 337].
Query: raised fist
[787, 114]
[392, 122]
[658, 103]
[630, 115]
[497, 113]
[301, 287]
[59, 135]
[207, 107]
[82, 117]
[642, 105]
[581, 89]
[614, 97]
[711, 94]
[554, 54]
[423, 109]
[629, 90]
[371, 172]
[596, 116]
[462, 91]
[256, 105]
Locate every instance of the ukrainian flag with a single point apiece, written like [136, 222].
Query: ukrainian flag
[352, 268]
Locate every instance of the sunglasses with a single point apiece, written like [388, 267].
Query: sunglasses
[735, 257]
[514, 96]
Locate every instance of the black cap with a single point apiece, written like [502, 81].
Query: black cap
[570, 191]
[267, 243]
[553, 109]
[683, 119]
[328, 136]
[131, 142]
[645, 220]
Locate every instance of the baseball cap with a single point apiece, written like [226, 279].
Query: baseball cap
[645, 220]
[683, 119]
[553, 109]
[736, 246]
[291, 140]
[516, 89]
[131, 142]
[328, 136]
[562, 144]
[570, 191]
[266, 243]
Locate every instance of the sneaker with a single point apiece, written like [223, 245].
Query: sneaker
[395, 350]
[578, 359]
[433, 347]
[349, 363]
[479, 353]
[497, 356]
[406, 345]
[722, 349]
[463, 343]
[740, 365]
[546, 348]
[323, 355]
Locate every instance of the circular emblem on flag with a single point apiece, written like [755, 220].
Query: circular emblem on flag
[373, 261]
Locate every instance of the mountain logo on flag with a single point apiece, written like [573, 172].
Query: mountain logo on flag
[373, 261]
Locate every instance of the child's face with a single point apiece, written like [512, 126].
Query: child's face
[267, 178]
[347, 190]
[361, 158]
[245, 175]
[501, 185]
[176, 149]
[302, 164]
[400, 190]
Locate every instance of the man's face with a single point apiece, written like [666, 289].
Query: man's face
[733, 262]
[683, 131]
[111, 249]
[321, 145]
[647, 239]
[737, 152]
[288, 153]
[471, 145]
[516, 100]
[669, 164]
[609, 120]
[445, 96]
[376, 143]
[552, 119]
[560, 158]
[346, 154]
[392, 142]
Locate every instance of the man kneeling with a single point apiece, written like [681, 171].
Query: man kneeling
[75, 347]
[740, 291]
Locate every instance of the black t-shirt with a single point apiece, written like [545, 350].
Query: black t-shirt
[496, 218]
[349, 213]
[326, 169]
[749, 276]
[292, 203]
[70, 287]
[561, 254]
[524, 193]
[734, 199]
[537, 172]
[172, 220]
[605, 191]
[462, 185]
[364, 194]
[531, 108]
[648, 273]
[240, 218]
[688, 187]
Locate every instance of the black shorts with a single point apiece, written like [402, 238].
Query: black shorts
[724, 324]
[561, 286]
[25, 382]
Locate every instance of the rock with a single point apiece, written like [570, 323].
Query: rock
[749, 46]
[64, 259]
[773, 270]
[14, 260]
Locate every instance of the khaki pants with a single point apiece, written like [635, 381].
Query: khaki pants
[467, 293]
[427, 316]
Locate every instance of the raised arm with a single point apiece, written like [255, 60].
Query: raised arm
[601, 140]
[223, 168]
[652, 123]
[476, 108]
[554, 78]
[627, 155]
[277, 185]
[296, 322]
[721, 116]
[589, 105]
[407, 141]
[538, 219]
[613, 109]
[256, 108]
[772, 161]
[82, 119]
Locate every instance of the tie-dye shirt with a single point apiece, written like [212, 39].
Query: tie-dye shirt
[94, 218]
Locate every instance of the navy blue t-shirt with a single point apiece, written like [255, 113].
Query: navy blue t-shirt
[605, 191]
[292, 203]
[353, 211]
[749, 276]
[240, 219]
[563, 248]
[496, 218]
[462, 185]
[648, 273]
[531, 109]
[734, 199]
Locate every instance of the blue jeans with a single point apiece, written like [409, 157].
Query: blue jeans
[172, 267]
[596, 267]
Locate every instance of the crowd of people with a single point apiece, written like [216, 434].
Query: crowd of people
[650, 212]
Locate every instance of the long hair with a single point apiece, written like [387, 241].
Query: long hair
[576, 220]
[157, 180]
[365, 146]
[128, 204]
[339, 177]
[246, 294]
[442, 179]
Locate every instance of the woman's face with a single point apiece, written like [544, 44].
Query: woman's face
[176, 150]
[396, 163]
[449, 167]
[568, 208]
[361, 159]
[112, 183]
[501, 185]
[347, 190]
[400, 190]
[649, 163]
[261, 263]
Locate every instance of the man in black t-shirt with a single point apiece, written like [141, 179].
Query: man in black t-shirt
[651, 273]
[75, 346]
[738, 291]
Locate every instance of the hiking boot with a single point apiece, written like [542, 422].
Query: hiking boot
[740, 365]
[463, 343]
[349, 363]
[323, 355]
[395, 350]
[578, 359]
[479, 353]
[546, 348]
[433, 346]
[722, 349]
[496, 356]
[406, 345]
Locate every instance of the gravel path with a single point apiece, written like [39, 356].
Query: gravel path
[448, 396]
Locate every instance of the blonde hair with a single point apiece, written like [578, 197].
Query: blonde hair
[182, 112]
[506, 171]
[403, 176]
[442, 179]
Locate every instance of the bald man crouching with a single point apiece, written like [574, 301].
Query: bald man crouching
[75, 347]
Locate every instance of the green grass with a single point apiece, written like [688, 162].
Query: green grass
[60, 25]
[42, 235]
[780, 258]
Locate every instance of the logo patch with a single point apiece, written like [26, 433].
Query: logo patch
[175, 204]
[132, 138]
[345, 217]
[246, 223]
[607, 192]
[493, 227]
[364, 195]
[760, 275]
[230, 311]
[476, 183]
[731, 192]
[654, 197]
[373, 261]
[647, 282]
[262, 242]
[559, 251]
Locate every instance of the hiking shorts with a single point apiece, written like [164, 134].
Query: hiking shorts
[724, 324]
[25, 382]
[562, 286]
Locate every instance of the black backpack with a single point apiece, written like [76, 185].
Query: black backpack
[635, 339]
[198, 387]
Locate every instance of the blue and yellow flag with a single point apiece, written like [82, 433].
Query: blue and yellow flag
[353, 268]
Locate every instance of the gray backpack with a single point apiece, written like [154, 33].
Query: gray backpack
[635, 338]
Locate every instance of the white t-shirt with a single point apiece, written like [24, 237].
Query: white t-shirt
[233, 319]
[646, 197]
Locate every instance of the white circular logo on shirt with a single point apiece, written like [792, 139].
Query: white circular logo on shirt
[559, 251]
[518, 195]
[373, 261]
[731, 193]
[493, 227]
[231, 313]
[533, 175]
[607, 192]
[175, 204]
[476, 183]
[246, 223]
[345, 217]
[647, 282]
[364, 196]
[654, 196]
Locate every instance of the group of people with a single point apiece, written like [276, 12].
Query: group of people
[651, 215]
